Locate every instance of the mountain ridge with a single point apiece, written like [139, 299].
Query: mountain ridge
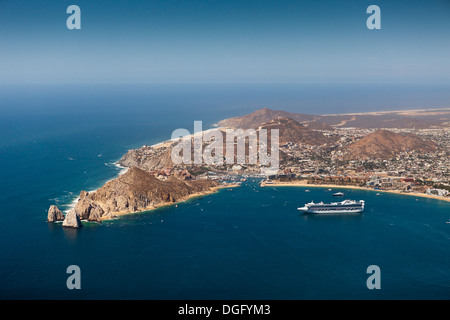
[420, 119]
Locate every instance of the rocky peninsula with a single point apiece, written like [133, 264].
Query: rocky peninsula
[136, 190]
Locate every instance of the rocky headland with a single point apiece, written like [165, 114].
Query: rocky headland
[136, 190]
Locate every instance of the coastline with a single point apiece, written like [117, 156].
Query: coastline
[167, 143]
[115, 215]
[304, 184]
[406, 112]
[123, 170]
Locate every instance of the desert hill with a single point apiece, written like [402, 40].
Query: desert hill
[292, 131]
[258, 117]
[384, 144]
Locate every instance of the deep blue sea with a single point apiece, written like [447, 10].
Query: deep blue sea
[246, 243]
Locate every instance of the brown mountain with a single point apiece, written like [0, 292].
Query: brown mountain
[319, 125]
[136, 190]
[255, 119]
[292, 131]
[383, 144]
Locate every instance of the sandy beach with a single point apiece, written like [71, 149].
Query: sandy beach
[303, 183]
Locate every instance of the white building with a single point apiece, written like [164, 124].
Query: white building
[437, 192]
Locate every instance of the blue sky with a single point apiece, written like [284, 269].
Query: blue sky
[173, 41]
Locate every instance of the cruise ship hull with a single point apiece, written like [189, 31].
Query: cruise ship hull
[340, 211]
[344, 207]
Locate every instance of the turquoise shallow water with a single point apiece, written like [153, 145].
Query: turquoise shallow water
[245, 243]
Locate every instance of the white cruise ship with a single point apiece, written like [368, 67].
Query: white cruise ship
[346, 206]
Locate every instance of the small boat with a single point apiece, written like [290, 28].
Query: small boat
[338, 194]
[329, 189]
[307, 191]
[378, 194]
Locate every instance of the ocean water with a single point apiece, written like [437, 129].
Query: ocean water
[249, 243]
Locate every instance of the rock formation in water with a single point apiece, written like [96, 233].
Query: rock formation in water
[72, 220]
[54, 214]
[88, 209]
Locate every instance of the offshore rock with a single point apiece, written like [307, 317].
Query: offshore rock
[54, 214]
[72, 220]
